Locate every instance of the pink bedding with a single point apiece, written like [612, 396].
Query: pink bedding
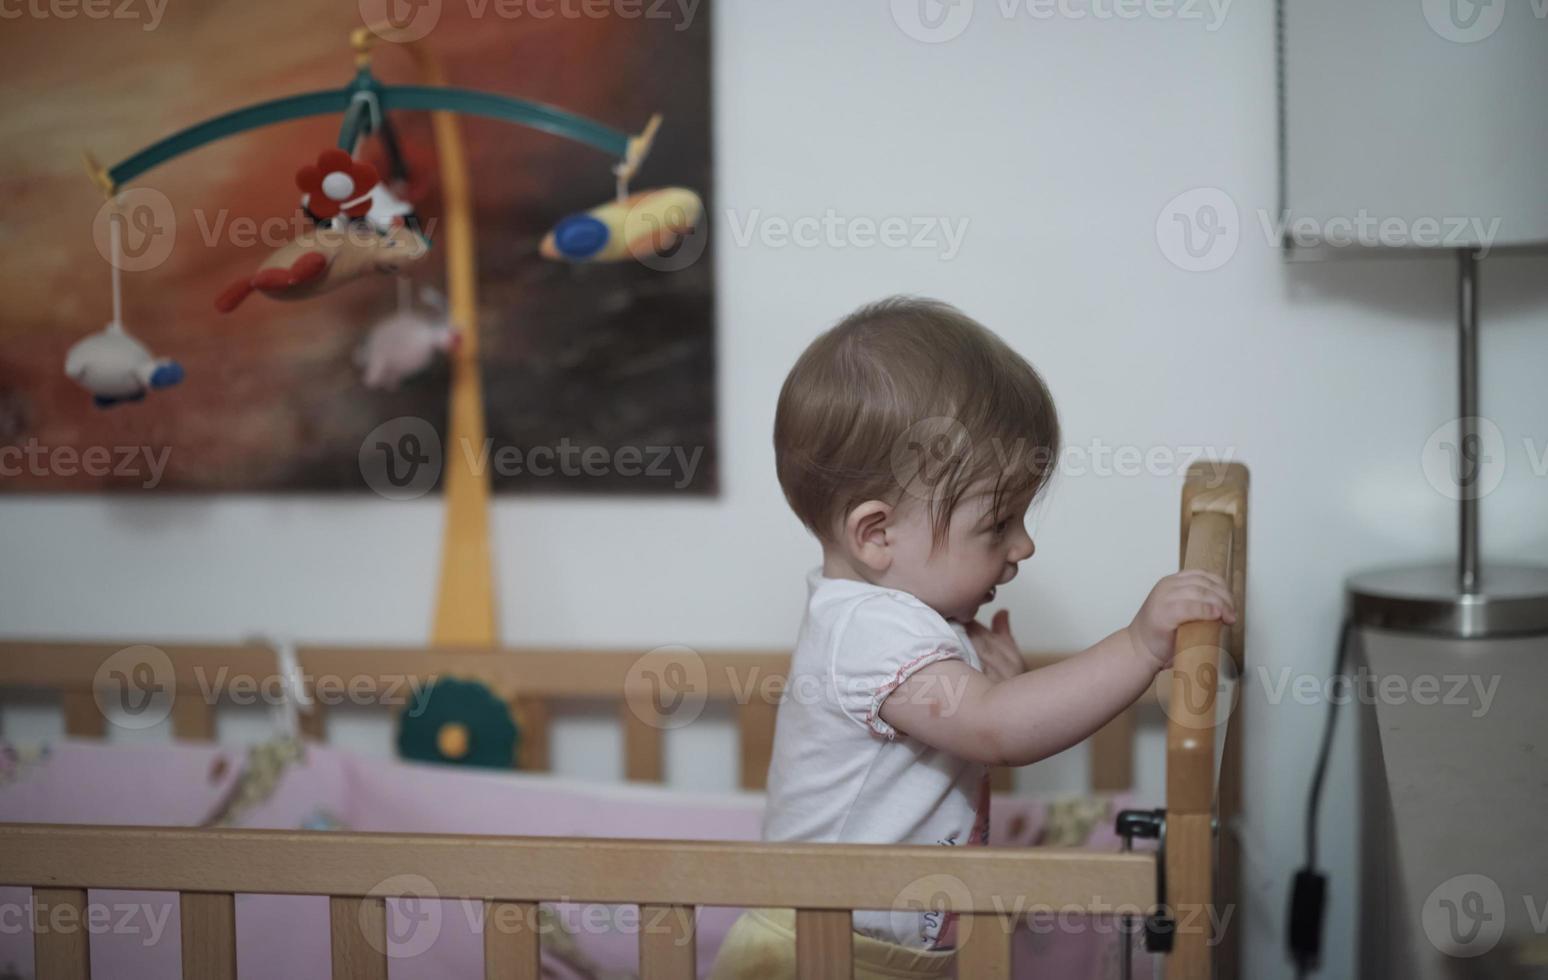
[136, 934]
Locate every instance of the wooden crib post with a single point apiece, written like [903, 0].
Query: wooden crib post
[60, 941]
[755, 740]
[193, 718]
[532, 747]
[667, 941]
[642, 737]
[1214, 519]
[824, 944]
[1228, 846]
[209, 935]
[314, 723]
[357, 929]
[512, 944]
[82, 717]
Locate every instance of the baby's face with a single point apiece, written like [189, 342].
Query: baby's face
[981, 551]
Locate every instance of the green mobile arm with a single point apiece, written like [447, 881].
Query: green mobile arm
[353, 100]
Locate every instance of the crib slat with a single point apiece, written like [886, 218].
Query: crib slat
[314, 723]
[642, 738]
[984, 947]
[532, 749]
[59, 939]
[357, 929]
[755, 721]
[209, 935]
[511, 941]
[193, 718]
[667, 942]
[82, 717]
[824, 944]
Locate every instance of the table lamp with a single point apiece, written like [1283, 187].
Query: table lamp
[1411, 127]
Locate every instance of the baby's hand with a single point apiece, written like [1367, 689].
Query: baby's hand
[1181, 598]
[997, 649]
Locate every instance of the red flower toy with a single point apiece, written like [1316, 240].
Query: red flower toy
[337, 182]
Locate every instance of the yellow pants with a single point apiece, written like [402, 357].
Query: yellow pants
[761, 946]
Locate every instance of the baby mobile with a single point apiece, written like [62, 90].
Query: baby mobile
[357, 226]
[361, 226]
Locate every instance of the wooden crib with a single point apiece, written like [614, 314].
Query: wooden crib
[666, 879]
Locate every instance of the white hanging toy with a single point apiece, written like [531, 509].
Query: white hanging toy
[111, 364]
[405, 342]
[116, 368]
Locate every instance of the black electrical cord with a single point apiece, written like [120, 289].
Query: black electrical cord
[1308, 895]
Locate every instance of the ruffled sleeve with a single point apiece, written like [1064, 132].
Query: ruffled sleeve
[886, 640]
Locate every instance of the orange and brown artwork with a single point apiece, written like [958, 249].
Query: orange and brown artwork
[596, 377]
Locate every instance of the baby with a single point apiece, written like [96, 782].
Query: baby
[912, 441]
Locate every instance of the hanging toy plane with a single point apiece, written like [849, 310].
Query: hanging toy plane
[639, 225]
[361, 230]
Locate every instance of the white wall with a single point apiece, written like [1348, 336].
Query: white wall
[1061, 143]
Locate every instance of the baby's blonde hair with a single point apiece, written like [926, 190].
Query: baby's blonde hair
[910, 396]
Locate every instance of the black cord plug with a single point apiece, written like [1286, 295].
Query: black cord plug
[1307, 898]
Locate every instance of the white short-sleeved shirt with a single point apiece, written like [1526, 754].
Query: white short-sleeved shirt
[839, 773]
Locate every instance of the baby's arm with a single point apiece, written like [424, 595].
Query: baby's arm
[950, 706]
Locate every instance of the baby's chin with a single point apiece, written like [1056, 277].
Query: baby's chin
[971, 612]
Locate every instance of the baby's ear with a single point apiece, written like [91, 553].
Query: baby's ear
[865, 534]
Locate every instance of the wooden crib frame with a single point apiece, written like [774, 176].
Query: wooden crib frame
[989, 887]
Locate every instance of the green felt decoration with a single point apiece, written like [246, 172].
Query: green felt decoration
[460, 723]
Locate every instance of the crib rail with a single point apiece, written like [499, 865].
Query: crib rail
[1201, 870]
[991, 889]
[530, 679]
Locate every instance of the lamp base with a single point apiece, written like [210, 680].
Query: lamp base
[1511, 600]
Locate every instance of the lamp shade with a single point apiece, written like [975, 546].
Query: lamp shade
[1414, 123]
